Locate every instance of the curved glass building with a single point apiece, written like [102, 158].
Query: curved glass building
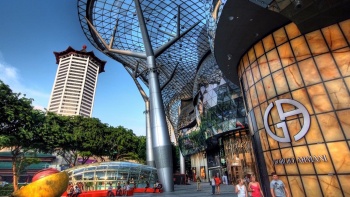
[98, 176]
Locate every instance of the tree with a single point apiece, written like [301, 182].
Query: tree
[18, 123]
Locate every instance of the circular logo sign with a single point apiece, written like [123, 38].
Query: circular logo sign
[300, 109]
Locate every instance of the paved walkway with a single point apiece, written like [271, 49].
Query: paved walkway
[191, 191]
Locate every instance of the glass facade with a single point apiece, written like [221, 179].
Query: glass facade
[312, 69]
[98, 176]
[216, 108]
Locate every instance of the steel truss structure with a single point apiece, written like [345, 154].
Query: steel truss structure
[177, 41]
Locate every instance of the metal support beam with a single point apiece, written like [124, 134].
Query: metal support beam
[160, 136]
[170, 78]
[149, 146]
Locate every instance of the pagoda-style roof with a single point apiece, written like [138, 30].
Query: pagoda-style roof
[70, 50]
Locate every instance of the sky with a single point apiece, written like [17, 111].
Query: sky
[30, 31]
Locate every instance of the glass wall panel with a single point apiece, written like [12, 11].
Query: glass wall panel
[97, 176]
[305, 139]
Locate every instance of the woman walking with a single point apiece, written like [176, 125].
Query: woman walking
[198, 183]
[217, 184]
[255, 188]
[240, 189]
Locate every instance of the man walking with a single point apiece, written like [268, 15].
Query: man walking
[277, 187]
[212, 183]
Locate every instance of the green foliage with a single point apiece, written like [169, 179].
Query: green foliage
[19, 123]
[22, 129]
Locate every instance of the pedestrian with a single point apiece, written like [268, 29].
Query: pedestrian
[110, 190]
[212, 183]
[217, 184]
[254, 187]
[240, 189]
[147, 186]
[198, 183]
[127, 188]
[158, 186]
[277, 187]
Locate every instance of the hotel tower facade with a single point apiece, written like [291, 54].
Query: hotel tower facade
[75, 83]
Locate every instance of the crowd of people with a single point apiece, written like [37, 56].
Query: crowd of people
[121, 189]
[250, 187]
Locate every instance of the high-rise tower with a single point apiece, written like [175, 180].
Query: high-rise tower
[75, 83]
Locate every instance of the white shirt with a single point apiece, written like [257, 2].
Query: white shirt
[241, 190]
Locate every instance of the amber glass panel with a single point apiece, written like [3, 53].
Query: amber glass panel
[255, 71]
[258, 118]
[330, 127]
[344, 182]
[274, 60]
[309, 72]
[268, 43]
[338, 93]
[305, 168]
[292, 30]
[316, 42]
[269, 87]
[321, 167]
[345, 26]
[259, 49]
[276, 154]
[253, 96]
[301, 96]
[300, 48]
[347, 82]
[344, 118]
[250, 81]
[249, 101]
[290, 168]
[314, 134]
[263, 140]
[340, 155]
[245, 83]
[311, 185]
[293, 77]
[296, 187]
[342, 58]
[327, 67]
[286, 54]
[330, 186]
[319, 98]
[268, 161]
[251, 55]
[261, 92]
[280, 36]
[245, 61]
[280, 82]
[263, 66]
[334, 37]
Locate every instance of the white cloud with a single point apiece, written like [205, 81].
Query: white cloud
[11, 76]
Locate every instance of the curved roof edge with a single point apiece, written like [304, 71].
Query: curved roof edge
[241, 25]
[90, 53]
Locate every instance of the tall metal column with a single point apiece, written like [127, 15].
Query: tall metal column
[160, 135]
[149, 147]
[182, 163]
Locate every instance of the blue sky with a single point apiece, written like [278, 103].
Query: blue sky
[30, 31]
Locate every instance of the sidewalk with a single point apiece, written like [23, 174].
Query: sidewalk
[191, 191]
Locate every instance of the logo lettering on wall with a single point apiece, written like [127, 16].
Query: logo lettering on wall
[306, 159]
[300, 109]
